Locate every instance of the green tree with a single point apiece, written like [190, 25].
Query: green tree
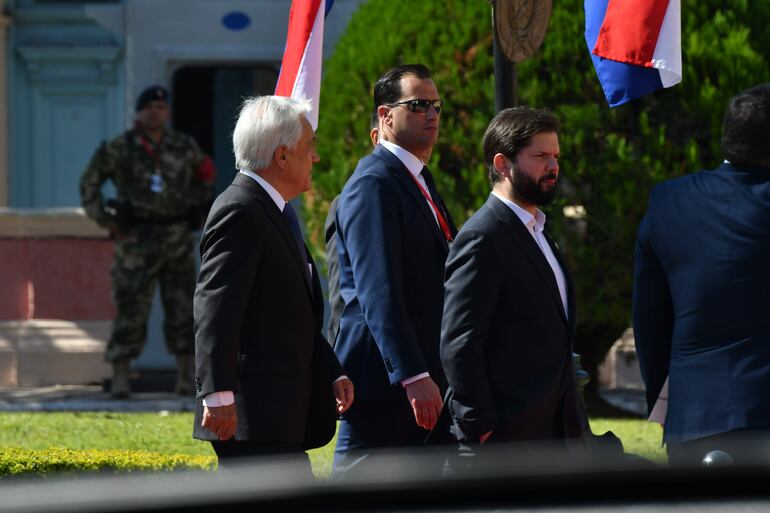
[610, 157]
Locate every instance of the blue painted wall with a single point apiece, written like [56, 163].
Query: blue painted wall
[65, 94]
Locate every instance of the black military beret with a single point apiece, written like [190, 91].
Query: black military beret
[151, 94]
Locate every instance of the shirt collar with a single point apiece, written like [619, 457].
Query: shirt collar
[412, 163]
[536, 223]
[269, 189]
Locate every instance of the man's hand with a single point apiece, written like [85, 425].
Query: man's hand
[343, 393]
[425, 398]
[220, 420]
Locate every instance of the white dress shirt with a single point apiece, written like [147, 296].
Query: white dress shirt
[413, 164]
[535, 226]
[274, 195]
[227, 397]
[269, 189]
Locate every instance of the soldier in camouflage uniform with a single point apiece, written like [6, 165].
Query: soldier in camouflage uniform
[164, 184]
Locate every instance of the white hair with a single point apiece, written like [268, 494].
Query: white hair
[265, 123]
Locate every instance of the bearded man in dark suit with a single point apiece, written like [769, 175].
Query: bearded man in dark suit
[509, 309]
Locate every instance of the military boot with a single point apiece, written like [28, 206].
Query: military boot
[121, 379]
[185, 369]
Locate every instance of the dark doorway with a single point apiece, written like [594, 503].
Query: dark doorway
[205, 105]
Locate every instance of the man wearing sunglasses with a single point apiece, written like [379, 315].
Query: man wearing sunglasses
[393, 238]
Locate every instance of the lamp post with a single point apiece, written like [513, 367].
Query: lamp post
[520, 27]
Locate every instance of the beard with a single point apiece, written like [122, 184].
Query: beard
[531, 191]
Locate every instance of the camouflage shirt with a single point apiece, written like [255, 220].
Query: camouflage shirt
[158, 180]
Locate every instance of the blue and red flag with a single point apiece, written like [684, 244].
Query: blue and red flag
[300, 75]
[635, 46]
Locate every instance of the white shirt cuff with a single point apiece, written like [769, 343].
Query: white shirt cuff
[341, 378]
[409, 381]
[217, 399]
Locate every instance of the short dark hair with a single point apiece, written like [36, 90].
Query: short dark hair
[374, 120]
[746, 126]
[387, 89]
[511, 131]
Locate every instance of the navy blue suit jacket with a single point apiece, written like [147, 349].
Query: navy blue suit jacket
[391, 267]
[702, 300]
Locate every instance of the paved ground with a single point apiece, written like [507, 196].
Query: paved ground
[93, 398]
[88, 398]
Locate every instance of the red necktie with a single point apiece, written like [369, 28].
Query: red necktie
[442, 222]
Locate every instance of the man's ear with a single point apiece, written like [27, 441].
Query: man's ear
[279, 155]
[503, 165]
[383, 112]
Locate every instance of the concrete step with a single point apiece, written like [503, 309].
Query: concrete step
[43, 352]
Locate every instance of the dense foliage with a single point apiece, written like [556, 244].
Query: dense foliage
[57, 461]
[610, 158]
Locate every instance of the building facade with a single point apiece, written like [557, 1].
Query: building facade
[70, 72]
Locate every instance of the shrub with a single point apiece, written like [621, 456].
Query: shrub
[16, 461]
[610, 158]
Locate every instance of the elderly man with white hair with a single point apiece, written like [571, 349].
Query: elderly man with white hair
[267, 381]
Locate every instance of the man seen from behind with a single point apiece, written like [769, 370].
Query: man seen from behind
[701, 300]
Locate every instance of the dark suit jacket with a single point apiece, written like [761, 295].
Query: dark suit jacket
[336, 304]
[506, 344]
[392, 256]
[702, 298]
[258, 321]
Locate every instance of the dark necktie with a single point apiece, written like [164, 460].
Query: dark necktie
[291, 217]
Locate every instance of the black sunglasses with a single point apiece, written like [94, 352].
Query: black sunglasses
[420, 105]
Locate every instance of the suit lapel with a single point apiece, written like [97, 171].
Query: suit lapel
[275, 216]
[521, 236]
[404, 177]
[568, 281]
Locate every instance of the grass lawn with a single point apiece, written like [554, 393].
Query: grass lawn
[639, 437]
[171, 434]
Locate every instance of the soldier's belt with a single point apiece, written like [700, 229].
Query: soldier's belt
[160, 220]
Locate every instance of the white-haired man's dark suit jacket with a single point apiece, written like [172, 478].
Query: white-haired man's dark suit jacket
[258, 322]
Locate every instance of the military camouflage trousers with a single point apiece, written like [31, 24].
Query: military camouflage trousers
[151, 254]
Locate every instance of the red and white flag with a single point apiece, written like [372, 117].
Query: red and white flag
[301, 66]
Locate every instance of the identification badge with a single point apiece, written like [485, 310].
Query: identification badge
[156, 182]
